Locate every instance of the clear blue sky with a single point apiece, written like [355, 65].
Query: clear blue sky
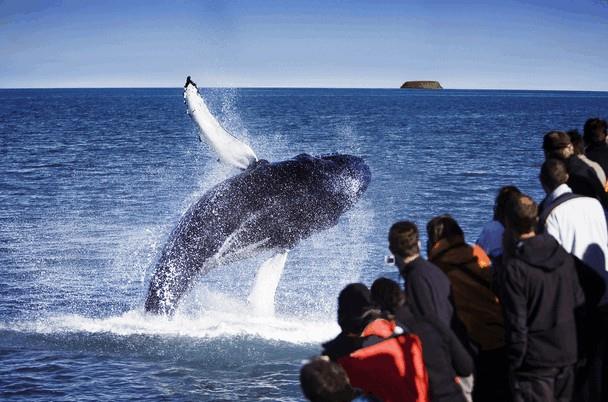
[558, 44]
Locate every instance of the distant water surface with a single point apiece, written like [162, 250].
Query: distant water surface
[93, 180]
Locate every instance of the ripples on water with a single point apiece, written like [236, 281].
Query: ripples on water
[93, 181]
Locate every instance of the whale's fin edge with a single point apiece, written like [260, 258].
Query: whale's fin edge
[230, 150]
[262, 295]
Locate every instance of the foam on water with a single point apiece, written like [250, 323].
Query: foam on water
[236, 319]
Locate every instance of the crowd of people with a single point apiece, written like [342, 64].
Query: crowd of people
[521, 315]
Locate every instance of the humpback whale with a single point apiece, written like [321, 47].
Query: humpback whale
[267, 207]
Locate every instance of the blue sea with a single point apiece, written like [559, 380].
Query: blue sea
[92, 181]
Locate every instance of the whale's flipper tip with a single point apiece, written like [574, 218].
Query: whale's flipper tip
[189, 82]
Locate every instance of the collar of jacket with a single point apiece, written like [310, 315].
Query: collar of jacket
[454, 250]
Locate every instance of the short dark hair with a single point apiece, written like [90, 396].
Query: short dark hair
[553, 173]
[403, 239]
[387, 294]
[577, 142]
[442, 227]
[594, 131]
[555, 144]
[502, 198]
[325, 381]
[522, 214]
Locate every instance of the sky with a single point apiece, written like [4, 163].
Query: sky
[503, 44]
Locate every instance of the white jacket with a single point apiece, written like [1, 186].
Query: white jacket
[579, 225]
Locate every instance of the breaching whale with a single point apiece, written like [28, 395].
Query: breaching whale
[267, 207]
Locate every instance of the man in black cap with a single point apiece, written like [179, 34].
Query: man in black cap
[582, 178]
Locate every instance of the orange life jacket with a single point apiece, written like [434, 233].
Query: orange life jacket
[393, 369]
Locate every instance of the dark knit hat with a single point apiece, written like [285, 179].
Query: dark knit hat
[555, 140]
[387, 295]
[354, 302]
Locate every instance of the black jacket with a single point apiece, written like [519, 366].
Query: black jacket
[342, 345]
[584, 181]
[443, 354]
[599, 154]
[541, 297]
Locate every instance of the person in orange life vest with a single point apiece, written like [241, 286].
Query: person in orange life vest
[444, 355]
[325, 381]
[468, 268]
[378, 357]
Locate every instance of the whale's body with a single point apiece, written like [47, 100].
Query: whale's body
[267, 207]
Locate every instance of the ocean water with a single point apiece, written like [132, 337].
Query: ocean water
[92, 181]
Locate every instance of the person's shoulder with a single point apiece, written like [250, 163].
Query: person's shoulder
[492, 226]
[592, 205]
[427, 270]
[599, 148]
[578, 205]
[512, 265]
[423, 262]
[341, 345]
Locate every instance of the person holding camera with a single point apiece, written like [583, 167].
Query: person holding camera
[427, 288]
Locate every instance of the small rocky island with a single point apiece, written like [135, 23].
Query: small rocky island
[421, 85]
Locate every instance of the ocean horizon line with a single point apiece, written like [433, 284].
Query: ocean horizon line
[320, 87]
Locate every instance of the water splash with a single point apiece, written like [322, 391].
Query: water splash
[223, 317]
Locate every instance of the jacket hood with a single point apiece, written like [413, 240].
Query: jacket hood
[541, 251]
[454, 250]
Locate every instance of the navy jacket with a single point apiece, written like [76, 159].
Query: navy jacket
[428, 290]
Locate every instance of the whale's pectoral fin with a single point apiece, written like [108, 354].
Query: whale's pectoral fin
[230, 150]
[261, 297]
[189, 82]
